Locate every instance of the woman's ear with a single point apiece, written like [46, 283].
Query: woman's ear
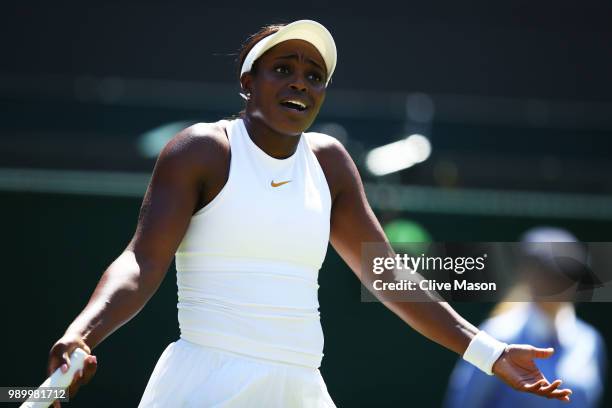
[245, 83]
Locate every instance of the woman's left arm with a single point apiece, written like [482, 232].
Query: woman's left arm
[353, 222]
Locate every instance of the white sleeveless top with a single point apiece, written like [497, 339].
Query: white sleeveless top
[248, 264]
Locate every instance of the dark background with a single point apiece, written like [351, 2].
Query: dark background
[522, 97]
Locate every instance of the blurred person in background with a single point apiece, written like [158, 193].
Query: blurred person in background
[580, 355]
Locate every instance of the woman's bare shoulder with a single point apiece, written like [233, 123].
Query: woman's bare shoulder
[320, 141]
[200, 138]
[335, 161]
[325, 147]
[202, 146]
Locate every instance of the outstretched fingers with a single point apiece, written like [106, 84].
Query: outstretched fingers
[549, 390]
[534, 386]
[562, 395]
[543, 352]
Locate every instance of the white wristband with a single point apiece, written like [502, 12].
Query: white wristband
[484, 351]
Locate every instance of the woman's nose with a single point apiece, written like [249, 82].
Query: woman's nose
[298, 84]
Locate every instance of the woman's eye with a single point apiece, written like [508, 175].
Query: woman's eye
[281, 70]
[315, 77]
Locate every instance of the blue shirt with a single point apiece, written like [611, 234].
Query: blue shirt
[579, 360]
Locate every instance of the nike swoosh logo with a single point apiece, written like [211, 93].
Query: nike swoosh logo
[273, 184]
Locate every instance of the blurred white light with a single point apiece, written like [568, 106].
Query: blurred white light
[398, 155]
[420, 147]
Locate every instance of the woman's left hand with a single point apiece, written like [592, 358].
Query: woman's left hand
[516, 368]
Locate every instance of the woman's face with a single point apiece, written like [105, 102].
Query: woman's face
[288, 87]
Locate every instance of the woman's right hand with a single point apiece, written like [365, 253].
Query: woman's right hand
[59, 357]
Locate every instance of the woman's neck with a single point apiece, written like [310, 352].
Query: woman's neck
[273, 143]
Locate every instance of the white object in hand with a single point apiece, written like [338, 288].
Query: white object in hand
[59, 379]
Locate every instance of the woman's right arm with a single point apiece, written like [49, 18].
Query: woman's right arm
[172, 196]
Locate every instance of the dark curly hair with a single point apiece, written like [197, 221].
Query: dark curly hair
[250, 43]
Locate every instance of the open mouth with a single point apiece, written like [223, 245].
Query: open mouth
[295, 105]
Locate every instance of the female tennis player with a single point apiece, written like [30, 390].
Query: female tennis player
[247, 207]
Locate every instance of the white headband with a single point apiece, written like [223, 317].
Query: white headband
[306, 30]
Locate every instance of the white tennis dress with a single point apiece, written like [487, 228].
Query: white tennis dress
[247, 273]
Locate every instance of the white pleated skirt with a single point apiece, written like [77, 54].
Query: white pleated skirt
[191, 375]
